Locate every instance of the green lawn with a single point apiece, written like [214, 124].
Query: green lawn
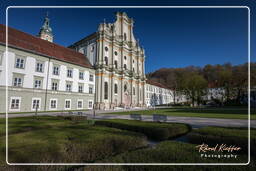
[68, 139]
[226, 113]
[54, 139]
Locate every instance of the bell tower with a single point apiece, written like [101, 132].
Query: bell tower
[46, 31]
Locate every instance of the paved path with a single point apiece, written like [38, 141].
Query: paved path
[193, 121]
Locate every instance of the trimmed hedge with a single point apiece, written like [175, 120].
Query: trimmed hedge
[170, 152]
[222, 135]
[155, 131]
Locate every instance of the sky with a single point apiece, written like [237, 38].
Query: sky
[171, 37]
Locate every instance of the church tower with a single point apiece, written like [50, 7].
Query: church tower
[46, 31]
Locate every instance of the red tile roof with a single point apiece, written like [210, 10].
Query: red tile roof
[156, 84]
[21, 40]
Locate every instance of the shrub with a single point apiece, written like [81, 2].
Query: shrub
[153, 130]
[222, 135]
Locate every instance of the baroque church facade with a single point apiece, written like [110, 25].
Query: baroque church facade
[105, 70]
[119, 63]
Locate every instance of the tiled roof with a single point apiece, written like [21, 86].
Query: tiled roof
[157, 84]
[21, 40]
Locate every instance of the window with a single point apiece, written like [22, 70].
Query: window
[133, 69]
[36, 103]
[125, 88]
[90, 90]
[115, 89]
[1, 57]
[20, 63]
[91, 77]
[124, 57]
[125, 37]
[134, 91]
[67, 104]
[105, 90]
[80, 88]
[81, 75]
[39, 67]
[106, 60]
[68, 86]
[69, 73]
[106, 48]
[90, 104]
[79, 104]
[55, 85]
[17, 81]
[115, 53]
[15, 103]
[132, 61]
[53, 104]
[125, 66]
[38, 83]
[55, 70]
[92, 48]
[115, 63]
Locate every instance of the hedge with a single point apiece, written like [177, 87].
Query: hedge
[155, 131]
[223, 135]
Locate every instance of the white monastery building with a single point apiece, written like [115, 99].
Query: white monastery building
[104, 70]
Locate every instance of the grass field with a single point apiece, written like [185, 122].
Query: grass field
[65, 139]
[225, 113]
[53, 139]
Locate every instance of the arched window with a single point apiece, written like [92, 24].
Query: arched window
[105, 90]
[140, 94]
[115, 53]
[125, 37]
[115, 89]
[125, 66]
[115, 63]
[125, 88]
[124, 57]
[106, 48]
[106, 60]
[133, 90]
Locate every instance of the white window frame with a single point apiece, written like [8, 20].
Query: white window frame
[79, 88]
[69, 104]
[1, 57]
[70, 73]
[91, 77]
[18, 77]
[53, 70]
[10, 107]
[54, 81]
[89, 104]
[50, 106]
[39, 105]
[41, 82]
[81, 74]
[80, 100]
[90, 87]
[42, 66]
[19, 65]
[70, 88]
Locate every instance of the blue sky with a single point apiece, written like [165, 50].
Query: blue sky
[171, 37]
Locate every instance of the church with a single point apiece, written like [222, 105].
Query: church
[104, 70]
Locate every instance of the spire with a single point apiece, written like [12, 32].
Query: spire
[46, 31]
